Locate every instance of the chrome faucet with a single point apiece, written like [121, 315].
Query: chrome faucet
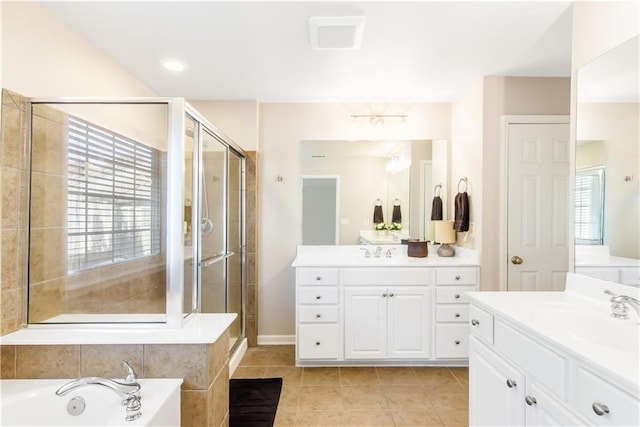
[619, 304]
[128, 390]
[367, 254]
[378, 252]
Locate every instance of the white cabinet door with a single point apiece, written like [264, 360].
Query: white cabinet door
[496, 389]
[408, 312]
[365, 322]
[543, 410]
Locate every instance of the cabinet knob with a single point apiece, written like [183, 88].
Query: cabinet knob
[530, 400]
[457, 277]
[317, 343]
[457, 342]
[318, 278]
[391, 294]
[457, 296]
[457, 315]
[475, 322]
[318, 297]
[511, 383]
[600, 408]
[318, 315]
[384, 295]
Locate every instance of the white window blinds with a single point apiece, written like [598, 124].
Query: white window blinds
[113, 201]
[589, 205]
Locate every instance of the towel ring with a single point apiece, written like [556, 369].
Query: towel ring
[466, 184]
[436, 190]
[378, 202]
[396, 202]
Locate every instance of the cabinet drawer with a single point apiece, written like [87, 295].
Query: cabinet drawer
[453, 295]
[318, 314]
[318, 342]
[481, 323]
[456, 276]
[386, 276]
[317, 276]
[318, 295]
[452, 341]
[591, 389]
[452, 313]
[547, 367]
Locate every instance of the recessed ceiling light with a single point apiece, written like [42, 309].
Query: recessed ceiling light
[174, 65]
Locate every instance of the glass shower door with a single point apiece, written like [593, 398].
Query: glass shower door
[213, 251]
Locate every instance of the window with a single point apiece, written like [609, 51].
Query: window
[113, 197]
[589, 214]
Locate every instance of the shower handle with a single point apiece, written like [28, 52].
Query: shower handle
[212, 260]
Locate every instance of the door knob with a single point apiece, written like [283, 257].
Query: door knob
[516, 260]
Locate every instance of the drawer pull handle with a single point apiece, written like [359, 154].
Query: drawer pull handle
[457, 277]
[457, 342]
[475, 322]
[457, 296]
[318, 315]
[457, 315]
[317, 343]
[530, 400]
[600, 409]
[511, 383]
[318, 278]
[318, 297]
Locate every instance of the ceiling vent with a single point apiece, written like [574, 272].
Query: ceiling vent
[336, 32]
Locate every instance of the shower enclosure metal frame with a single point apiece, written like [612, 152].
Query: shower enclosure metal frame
[177, 109]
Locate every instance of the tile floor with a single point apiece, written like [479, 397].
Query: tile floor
[363, 396]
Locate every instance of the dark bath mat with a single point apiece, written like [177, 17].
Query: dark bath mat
[253, 402]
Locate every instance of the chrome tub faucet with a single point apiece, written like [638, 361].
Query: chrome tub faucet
[128, 390]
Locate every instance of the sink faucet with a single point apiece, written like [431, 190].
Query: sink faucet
[128, 390]
[378, 252]
[367, 254]
[388, 253]
[619, 304]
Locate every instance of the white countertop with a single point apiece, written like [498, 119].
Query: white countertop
[578, 322]
[199, 329]
[354, 256]
[598, 256]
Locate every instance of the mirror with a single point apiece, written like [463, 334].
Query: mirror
[354, 178]
[607, 196]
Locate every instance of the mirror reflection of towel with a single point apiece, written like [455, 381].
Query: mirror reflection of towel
[462, 212]
[377, 214]
[436, 209]
[396, 216]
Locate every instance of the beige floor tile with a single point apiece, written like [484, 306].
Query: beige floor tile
[285, 417]
[451, 387]
[358, 376]
[284, 355]
[434, 375]
[368, 418]
[363, 397]
[397, 376]
[250, 372]
[256, 357]
[319, 418]
[454, 418]
[406, 396]
[450, 401]
[290, 374]
[320, 398]
[289, 396]
[416, 417]
[461, 374]
[321, 376]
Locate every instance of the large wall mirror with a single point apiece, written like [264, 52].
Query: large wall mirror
[344, 181]
[607, 192]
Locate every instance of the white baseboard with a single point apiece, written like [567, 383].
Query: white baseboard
[276, 339]
[236, 356]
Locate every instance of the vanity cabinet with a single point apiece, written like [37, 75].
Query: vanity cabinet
[383, 315]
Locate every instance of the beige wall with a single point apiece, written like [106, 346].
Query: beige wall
[236, 119]
[282, 128]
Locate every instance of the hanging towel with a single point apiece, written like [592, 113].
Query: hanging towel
[377, 213]
[396, 215]
[462, 212]
[436, 209]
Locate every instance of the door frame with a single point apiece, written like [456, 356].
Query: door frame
[505, 122]
[423, 197]
[336, 178]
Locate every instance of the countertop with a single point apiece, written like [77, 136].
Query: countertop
[199, 329]
[354, 256]
[578, 322]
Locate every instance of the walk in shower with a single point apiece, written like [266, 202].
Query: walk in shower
[136, 214]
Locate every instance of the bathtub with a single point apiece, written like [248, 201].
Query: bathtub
[34, 403]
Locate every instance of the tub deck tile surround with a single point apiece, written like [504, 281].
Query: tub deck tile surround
[203, 365]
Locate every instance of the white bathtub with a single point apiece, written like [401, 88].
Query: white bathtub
[34, 403]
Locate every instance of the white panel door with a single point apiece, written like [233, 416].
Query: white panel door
[543, 410]
[538, 207]
[408, 311]
[365, 322]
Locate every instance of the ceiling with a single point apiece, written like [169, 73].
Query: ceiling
[411, 51]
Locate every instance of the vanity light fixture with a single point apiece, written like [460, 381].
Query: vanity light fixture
[174, 65]
[377, 120]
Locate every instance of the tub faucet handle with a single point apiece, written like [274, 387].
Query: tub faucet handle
[131, 377]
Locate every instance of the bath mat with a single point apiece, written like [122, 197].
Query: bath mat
[253, 402]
